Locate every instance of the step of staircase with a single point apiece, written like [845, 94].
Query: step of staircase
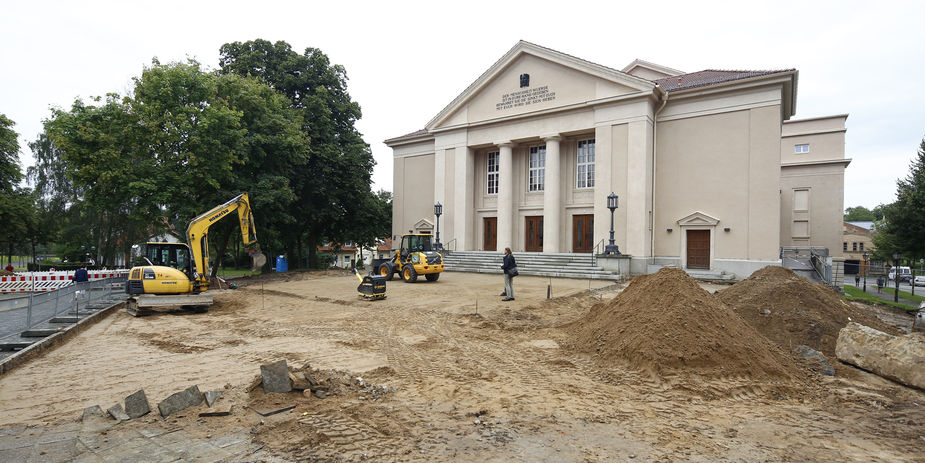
[537, 264]
[699, 274]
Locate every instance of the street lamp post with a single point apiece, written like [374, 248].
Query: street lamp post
[612, 200]
[438, 211]
[866, 267]
[896, 256]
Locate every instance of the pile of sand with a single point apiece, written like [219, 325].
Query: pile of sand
[664, 323]
[791, 310]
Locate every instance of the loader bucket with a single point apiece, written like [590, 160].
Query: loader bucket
[258, 260]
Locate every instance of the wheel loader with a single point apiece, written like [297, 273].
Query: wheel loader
[177, 274]
[416, 256]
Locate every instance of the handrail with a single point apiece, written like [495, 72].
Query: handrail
[447, 246]
[598, 249]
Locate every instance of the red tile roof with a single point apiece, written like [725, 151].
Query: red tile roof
[709, 77]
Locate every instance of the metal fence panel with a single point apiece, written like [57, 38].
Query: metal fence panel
[23, 312]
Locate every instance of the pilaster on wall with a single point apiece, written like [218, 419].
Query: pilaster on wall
[604, 154]
[463, 222]
[638, 188]
[440, 176]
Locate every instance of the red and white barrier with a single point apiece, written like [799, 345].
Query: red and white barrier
[49, 281]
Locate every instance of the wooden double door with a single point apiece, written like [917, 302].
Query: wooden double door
[582, 233]
[698, 249]
[490, 234]
[533, 233]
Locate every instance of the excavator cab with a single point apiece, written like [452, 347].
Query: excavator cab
[174, 255]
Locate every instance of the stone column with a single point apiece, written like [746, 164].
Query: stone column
[463, 197]
[552, 197]
[505, 195]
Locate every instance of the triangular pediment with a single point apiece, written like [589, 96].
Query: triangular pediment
[423, 225]
[650, 71]
[530, 78]
[698, 218]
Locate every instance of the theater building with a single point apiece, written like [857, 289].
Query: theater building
[709, 170]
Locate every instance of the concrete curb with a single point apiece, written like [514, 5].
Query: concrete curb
[55, 340]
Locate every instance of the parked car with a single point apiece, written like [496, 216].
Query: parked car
[905, 274]
[919, 281]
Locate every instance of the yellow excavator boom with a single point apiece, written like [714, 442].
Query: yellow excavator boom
[198, 233]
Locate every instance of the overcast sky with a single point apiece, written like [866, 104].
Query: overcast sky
[407, 60]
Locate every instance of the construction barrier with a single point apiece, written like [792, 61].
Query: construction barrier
[36, 282]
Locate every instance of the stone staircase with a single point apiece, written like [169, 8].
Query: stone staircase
[530, 263]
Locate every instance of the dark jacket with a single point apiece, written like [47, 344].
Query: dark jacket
[509, 263]
[80, 275]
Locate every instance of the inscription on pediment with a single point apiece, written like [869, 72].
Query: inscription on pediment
[525, 97]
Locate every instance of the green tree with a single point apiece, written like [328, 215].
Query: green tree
[859, 214]
[16, 208]
[10, 174]
[339, 164]
[185, 141]
[903, 225]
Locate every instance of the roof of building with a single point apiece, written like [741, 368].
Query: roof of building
[710, 77]
[673, 83]
[330, 247]
[867, 225]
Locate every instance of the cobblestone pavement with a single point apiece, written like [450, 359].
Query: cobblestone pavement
[104, 441]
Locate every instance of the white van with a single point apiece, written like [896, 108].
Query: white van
[905, 274]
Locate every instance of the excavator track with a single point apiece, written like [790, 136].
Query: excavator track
[144, 304]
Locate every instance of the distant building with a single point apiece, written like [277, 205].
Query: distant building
[856, 240]
[343, 256]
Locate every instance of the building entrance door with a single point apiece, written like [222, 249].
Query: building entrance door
[534, 238]
[490, 235]
[582, 233]
[698, 249]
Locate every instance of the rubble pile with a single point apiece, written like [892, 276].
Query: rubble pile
[664, 323]
[792, 311]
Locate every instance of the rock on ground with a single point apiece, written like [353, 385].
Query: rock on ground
[180, 401]
[900, 358]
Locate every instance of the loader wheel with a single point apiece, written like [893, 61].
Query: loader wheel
[408, 274]
[386, 271]
[432, 276]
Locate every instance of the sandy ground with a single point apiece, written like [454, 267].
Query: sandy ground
[466, 377]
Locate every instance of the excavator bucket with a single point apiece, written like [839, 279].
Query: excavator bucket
[258, 260]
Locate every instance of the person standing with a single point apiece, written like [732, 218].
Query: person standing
[81, 275]
[879, 284]
[857, 281]
[510, 271]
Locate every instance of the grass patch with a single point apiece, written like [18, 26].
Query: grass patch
[236, 272]
[855, 294]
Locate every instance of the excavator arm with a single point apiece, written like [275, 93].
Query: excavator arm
[198, 233]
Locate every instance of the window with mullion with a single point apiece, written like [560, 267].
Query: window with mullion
[585, 164]
[537, 174]
[493, 159]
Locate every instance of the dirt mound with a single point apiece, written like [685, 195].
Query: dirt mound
[791, 310]
[665, 323]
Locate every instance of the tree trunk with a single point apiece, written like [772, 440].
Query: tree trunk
[298, 240]
[222, 247]
[312, 251]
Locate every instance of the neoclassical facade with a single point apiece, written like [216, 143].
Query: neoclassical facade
[527, 155]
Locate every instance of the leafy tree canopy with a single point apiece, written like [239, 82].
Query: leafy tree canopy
[903, 227]
[10, 174]
[333, 185]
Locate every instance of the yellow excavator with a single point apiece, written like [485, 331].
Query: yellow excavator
[177, 274]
